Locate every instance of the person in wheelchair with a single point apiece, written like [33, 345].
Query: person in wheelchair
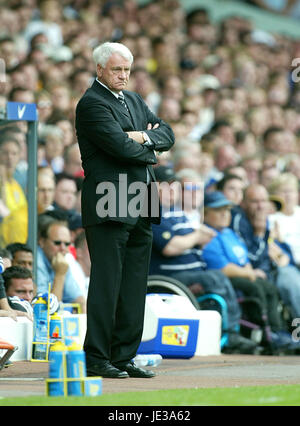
[176, 253]
[229, 254]
[266, 250]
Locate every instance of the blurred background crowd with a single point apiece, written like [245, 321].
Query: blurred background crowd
[230, 92]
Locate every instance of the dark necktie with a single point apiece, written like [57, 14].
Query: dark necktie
[121, 99]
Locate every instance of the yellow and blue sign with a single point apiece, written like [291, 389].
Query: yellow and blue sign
[175, 338]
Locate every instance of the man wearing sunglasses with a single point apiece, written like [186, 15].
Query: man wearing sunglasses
[52, 266]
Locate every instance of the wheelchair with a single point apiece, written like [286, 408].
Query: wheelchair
[162, 284]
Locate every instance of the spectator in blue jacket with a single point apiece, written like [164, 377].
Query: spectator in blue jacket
[227, 253]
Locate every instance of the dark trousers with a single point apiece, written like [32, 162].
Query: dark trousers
[266, 293]
[120, 256]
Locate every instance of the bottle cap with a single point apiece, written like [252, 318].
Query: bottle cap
[41, 300]
[74, 346]
[58, 346]
[55, 316]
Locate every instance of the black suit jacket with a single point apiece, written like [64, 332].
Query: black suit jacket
[109, 155]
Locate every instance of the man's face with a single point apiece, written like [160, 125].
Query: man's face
[115, 75]
[65, 194]
[256, 204]
[218, 218]
[24, 259]
[10, 155]
[21, 287]
[45, 194]
[233, 190]
[58, 240]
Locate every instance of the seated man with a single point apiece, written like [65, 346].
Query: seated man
[251, 224]
[52, 267]
[22, 255]
[5, 309]
[176, 253]
[18, 282]
[227, 253]
[65, 194]
[19, 288]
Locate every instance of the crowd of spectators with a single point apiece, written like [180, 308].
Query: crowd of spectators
[229, 92]
[290, 8]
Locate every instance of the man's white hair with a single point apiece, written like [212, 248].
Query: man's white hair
[102, 53]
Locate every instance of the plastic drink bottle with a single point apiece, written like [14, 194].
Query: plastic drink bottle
[76, 368]
[148, 360]
[55, 328]
[57, 368]
[40, 329]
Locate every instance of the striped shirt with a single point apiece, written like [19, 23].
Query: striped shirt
[173, 223]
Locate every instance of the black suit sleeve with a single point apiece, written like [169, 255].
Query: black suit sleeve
[163, 136]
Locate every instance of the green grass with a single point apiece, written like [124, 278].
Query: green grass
[279, 395]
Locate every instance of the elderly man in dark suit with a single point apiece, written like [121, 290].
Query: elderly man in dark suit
[118, 136]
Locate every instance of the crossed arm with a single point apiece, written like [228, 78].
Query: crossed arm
[138, 136]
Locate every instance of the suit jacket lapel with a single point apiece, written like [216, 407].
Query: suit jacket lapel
[106, 94]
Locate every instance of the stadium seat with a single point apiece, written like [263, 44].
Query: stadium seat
[10, 349]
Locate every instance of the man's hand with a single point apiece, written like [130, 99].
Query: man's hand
[277, 255]
[138, 136]
[275, 232]
[59, 264]
[250, 272]
[9, 313]
[205, 234]
[149, 126]
[13, 314]
[60, 267]
[259, 273]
